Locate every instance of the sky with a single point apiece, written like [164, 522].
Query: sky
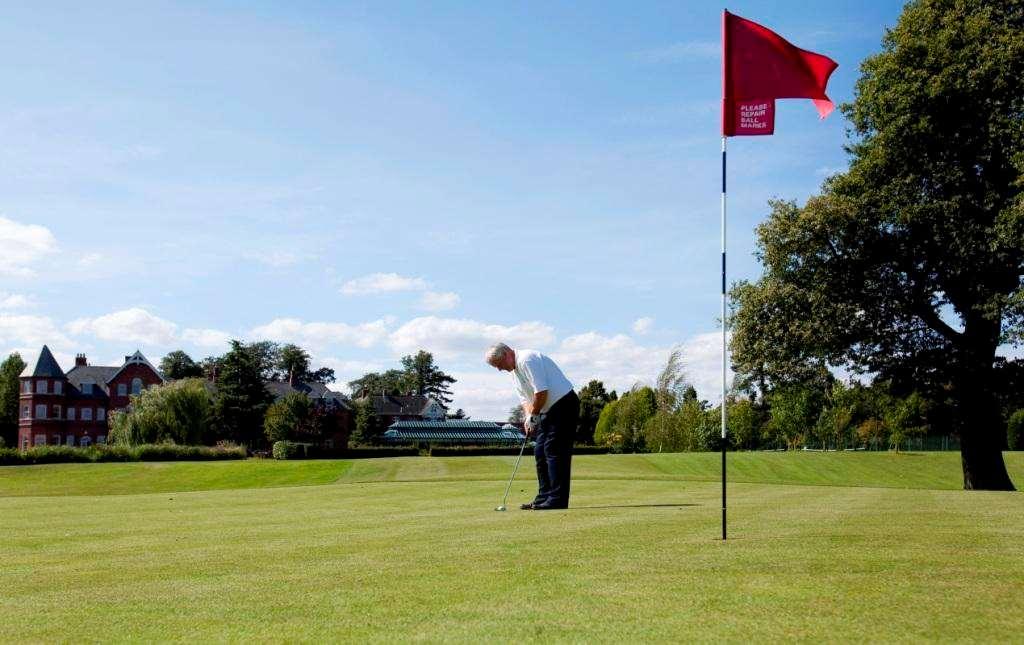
[368, 179]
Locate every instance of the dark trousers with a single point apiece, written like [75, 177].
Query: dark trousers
[553, 451]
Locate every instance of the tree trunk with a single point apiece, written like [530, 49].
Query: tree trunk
[980, 421]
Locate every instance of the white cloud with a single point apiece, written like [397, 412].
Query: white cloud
[434, 301]
[28, 334]
[485, 396]
[681, 52]
[382, 283]
[21, 245]
[278, 259]
[702, 359]
[15, 301]
[643, 325]
[315, 335]
[212, 338]
[619, 361]
[459, 337]
[345, 371]
[133, 325]
[89, 260]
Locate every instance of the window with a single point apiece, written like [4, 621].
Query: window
[41, 411]
[40, 440]
[56, 439]
[101, 414]
[122, 389]
[42, 387]
[136, 385]
[71, 414]
[26, 412]
[86, 388]
[27, 387]
[85, 441]
[58, 387]
[71, 439]
[56, 412]
[24, 444]
[86, 414]
[102, 439]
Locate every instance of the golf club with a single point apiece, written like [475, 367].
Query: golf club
[514, 469]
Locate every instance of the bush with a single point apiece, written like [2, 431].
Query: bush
[1015, 431]
[285, 450]
[109, 453]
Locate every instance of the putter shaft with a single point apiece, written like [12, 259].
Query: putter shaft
[514, 470]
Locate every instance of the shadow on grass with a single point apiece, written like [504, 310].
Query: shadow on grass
[581, 508]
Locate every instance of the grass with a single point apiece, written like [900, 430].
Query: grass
[824, 547]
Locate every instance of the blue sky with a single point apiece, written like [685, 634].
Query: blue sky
[369, 179]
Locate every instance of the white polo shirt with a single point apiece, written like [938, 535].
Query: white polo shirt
[535, 372]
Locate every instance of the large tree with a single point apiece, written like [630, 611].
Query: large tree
[242, 398]
[426, 378]
[178, 365]
[593, 398]
[293, 361]
[10, 370]
[909, 265]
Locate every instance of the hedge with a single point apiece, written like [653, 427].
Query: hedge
[105, 453]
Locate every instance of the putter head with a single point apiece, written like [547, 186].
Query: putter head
[500, 508]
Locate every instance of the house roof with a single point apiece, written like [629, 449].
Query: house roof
[313, 390]
[46, 366]
[98, 375]
[136, 359]
[387, 404]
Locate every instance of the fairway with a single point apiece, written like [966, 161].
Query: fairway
[824, 547]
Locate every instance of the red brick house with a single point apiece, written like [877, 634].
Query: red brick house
[72, 409]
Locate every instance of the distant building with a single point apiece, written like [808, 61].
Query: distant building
[414, 407]
[326, 401]
[454, 432]
[73, 409]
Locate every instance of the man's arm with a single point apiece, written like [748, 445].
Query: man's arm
[539, 399]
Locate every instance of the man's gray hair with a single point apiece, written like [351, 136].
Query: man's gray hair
[497, 352]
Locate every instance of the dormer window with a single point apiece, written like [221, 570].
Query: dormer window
[86, 388]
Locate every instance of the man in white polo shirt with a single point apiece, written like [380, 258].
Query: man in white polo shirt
[552, 411]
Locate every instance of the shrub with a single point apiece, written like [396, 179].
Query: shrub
[1015, 431]
[285, 450]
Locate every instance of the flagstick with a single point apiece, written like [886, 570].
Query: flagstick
[725, 327]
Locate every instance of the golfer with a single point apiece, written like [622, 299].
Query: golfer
[552, 410]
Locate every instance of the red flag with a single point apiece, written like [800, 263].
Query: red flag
[759, 66]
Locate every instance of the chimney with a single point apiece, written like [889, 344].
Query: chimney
[80, 360]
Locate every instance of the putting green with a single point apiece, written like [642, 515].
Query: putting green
[403, 549]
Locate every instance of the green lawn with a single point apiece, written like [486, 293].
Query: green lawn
[824, 547]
